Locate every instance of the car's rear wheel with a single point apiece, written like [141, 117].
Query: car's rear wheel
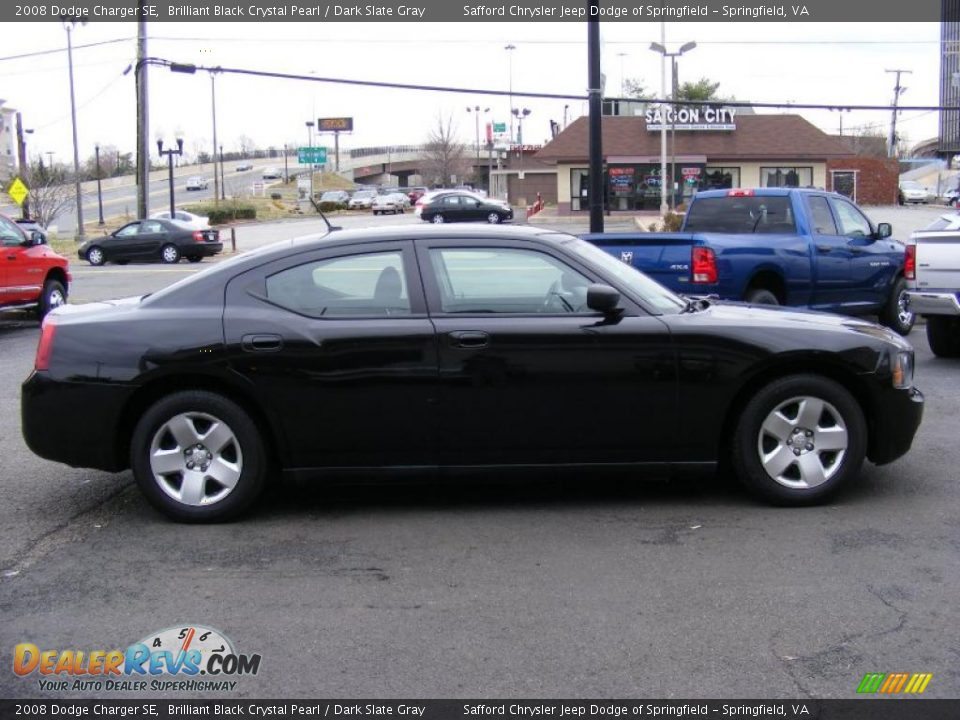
[170, 254]
[493, 218]
[895, 314]
[799, 440]
[197, 456]
[52, 296]
[438, 219]
[194, 258]
[96, 256]
[943, 334]
[761, 296]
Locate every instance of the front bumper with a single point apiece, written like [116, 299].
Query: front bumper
[933, 303]
[896, 420]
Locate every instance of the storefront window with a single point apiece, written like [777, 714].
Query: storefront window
[720, 178]
[622, 187]
[579, 189]
[786, 177]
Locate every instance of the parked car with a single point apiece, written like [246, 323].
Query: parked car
[913, 192]
[197, 183]
[362, 200]
[950, 197]
[243, 167]
[777, 246]
[480, 347]
[32, 226]
[272, 173]
[151, 240]
[184, 218]
[464, 207]
[392, 203]
[32, 276]
[933, 272]
[335, 196]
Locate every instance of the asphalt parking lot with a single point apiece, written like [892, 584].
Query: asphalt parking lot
[585, 586]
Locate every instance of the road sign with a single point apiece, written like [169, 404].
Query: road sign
[499, 127]
[18, 191]
[312, 155]
[338, 124]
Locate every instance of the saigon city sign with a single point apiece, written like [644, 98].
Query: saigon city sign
[691, 118]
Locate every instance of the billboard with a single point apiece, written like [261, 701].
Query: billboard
[337, 124]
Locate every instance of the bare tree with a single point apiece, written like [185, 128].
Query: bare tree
[444, 156]
[51, 193]
[246, 145]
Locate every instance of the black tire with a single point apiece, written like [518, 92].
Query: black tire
[943, 334]
[249, 450]
[494, 218]
[121, 262]
[170, 254]
[194, 258]
[837, 469]
[52, 296]
[761, 296]
[96, 255]
[894, 314]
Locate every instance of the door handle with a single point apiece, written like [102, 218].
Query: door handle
[471, 339]
[824, 248]
[11, 257]
[261, 343]
[855, 248]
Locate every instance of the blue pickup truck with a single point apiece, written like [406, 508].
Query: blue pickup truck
[776, 246]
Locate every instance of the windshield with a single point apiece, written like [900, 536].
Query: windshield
[649, 291]
[911, 185]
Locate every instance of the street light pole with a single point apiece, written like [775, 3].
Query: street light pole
[170, 153]
[68, 25]
[672, 110]
[520, 114]
[223, 184]
[476, 116]
[96, 150]
[510, 48]
[213, 104]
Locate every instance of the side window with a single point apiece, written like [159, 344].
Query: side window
[452, 201]
[128, 230]
[150, 228]
[821, 216]
[9, 233]
[372, 284]
[852, 222]
[469, 202]
[506, 280]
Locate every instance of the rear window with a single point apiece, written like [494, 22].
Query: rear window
[741, 215]
[943, 223]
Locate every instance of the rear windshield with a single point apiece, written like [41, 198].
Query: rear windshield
[764, 215]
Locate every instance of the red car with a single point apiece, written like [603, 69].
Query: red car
[414, 193]
[32, 276]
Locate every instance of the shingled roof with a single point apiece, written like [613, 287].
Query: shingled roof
[757, 137]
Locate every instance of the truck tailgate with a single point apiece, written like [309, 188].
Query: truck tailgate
[663, 256]
[938, 262]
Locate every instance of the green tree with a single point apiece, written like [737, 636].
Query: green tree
[703, 90]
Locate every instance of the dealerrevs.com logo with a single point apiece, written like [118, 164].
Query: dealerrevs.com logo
[186, 658]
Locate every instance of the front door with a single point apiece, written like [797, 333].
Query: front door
[21, 274]
[530, 375]
[831, 255]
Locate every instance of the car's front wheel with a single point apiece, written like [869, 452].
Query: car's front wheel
[52, 296]
[943, 334]
[799, 440]
[198, 457]
[169, 254]
[493, 218]
[895, 314]
[96, 256]
[438, 219]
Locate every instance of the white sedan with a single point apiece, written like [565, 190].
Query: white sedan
[914, 192]
[392, 203]
[184, 219]
[197, 183]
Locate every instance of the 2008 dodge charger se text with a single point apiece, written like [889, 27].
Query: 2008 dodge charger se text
[445, 347]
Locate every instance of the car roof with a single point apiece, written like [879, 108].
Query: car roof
[764, 192]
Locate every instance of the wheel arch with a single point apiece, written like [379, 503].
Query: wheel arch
[58, 274]
[797, 364]
[767, 278]
[149, 393]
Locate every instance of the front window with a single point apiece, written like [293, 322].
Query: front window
[852, 222]
[128, 230]
[786, 177]
[10, 234]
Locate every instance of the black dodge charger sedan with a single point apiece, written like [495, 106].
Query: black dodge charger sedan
[151, 240]
[440, 348]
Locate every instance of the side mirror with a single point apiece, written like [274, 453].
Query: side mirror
[603, 298]
[37, 238]
[884, 230]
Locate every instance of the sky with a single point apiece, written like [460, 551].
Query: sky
[832, 63]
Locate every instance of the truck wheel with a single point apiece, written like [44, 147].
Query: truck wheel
[943, 334]
[895, 314]
[52, 296]
[799, 440]
[759, 296]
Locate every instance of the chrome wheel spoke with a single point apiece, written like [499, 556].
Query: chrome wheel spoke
[191, 490]
[778, 426]
[779, 460]
[810, 411]
[164, 462]
[183, 431]
[833, 438]
[811, 470]
[225, 473]
[217, 438]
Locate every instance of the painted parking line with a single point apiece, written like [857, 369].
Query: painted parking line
[132, 271]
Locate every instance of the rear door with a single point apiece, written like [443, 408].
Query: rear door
[151, 235]
[338, 345]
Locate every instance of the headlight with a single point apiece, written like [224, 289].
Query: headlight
[903, 370]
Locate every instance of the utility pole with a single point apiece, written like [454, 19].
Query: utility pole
[143, 122]
[897, 92]
[213, 104]
[596, 118]
[24, 168]
[69, 25]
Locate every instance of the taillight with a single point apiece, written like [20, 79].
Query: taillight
[45, 346]
[740, 192]
[704, 265]
[910, 263]
[198, 236]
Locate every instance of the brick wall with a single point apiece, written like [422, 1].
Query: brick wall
[877, 179]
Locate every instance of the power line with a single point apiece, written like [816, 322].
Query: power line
[53, 51]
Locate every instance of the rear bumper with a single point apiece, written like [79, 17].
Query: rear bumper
[933, 303]
[205, 249]
[74, 423]
[897, 419]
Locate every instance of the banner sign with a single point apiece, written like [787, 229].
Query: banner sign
[691, 118]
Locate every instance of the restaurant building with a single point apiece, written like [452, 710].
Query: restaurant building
[707, 148]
